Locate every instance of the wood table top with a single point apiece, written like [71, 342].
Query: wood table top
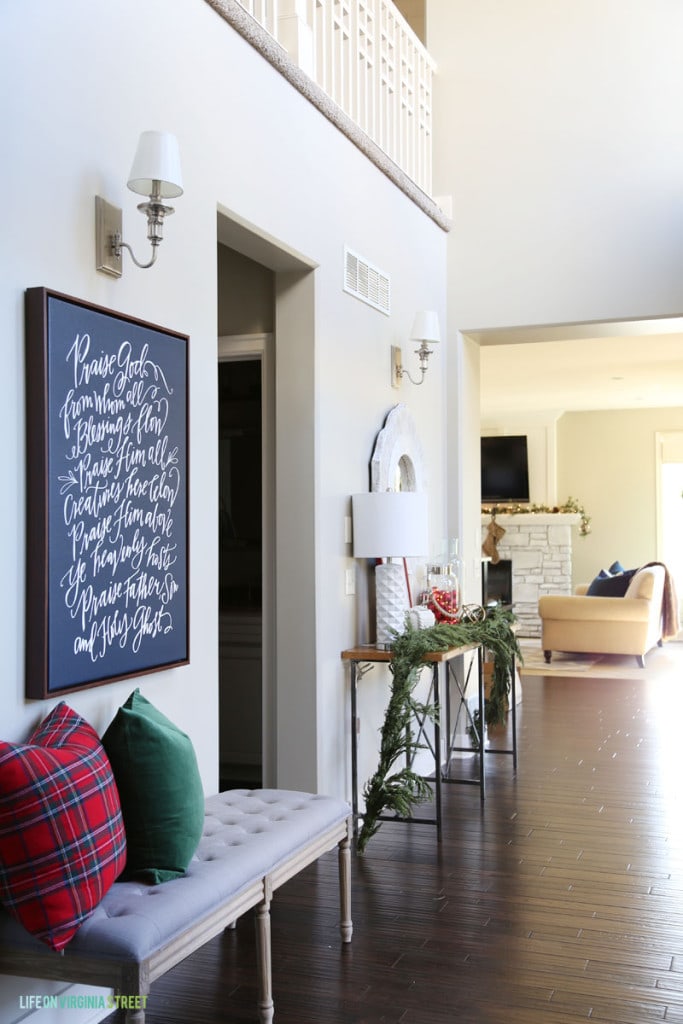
[370, 652]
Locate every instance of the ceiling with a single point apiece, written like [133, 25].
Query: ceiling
[634, 365]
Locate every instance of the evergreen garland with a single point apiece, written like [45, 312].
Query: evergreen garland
[570, 505]
[398, 790]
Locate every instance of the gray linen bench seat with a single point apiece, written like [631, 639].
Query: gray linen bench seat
[253, 841]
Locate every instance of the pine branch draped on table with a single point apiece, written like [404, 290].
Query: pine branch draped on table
[398, 790]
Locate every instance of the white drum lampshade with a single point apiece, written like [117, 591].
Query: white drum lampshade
[426, 327]
[390, 524]
[157, 159]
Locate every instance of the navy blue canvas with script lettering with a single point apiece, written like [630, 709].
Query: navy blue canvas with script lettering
[117, 495]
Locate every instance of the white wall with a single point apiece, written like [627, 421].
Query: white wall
[557, 135]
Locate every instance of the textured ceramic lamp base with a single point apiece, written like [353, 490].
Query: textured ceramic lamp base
[392, 601]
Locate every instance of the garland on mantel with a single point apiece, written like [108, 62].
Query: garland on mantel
[570, 505]
[398, 790]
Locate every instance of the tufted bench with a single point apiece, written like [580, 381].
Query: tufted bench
[253, 841]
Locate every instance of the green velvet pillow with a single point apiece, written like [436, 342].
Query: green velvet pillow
[160, 789]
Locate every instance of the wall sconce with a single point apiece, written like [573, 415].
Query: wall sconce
[390, 524]
[155, 173]
[426, 331]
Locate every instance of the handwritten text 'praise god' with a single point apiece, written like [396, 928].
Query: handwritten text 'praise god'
[121, 482]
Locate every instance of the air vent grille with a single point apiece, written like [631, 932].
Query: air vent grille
[367, 282]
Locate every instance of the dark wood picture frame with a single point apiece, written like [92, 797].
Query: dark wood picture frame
[107, 546]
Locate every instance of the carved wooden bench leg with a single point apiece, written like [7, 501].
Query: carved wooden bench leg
[134, 993]
[135, 1017]
[263, 956]
[346, 924]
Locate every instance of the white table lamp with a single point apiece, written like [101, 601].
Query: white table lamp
[390, 524]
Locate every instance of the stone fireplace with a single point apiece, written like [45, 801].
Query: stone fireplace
[539, 545]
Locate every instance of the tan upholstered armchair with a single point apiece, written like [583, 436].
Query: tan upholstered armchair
[606, 625]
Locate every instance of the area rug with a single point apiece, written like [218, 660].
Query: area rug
[659, 661]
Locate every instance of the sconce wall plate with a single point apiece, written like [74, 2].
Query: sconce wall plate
[396, 366]
[108, 223]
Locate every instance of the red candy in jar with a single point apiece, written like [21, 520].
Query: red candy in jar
[442, 594]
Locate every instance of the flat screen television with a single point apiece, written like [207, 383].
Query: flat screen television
[504, 469]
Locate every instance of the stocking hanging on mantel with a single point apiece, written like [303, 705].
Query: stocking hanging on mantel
[490, 545]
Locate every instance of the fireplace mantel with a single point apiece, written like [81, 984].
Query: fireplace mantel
[539, 545]
[533, 518]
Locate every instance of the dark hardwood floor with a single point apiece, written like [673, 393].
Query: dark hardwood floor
[560, 900]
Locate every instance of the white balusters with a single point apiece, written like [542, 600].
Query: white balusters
[367, 59]
[263, 11]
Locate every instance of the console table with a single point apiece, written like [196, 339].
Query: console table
[361, 660]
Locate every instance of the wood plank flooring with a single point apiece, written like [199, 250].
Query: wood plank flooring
[559, 900]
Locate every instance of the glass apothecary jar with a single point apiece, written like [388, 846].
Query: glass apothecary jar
[443, 592]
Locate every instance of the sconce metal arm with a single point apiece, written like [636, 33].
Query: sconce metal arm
[155, 211]
[423, 352]
[118, 245]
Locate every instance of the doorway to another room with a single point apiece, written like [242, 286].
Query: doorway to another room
[240, 595]
[245, 519]
[266, 298]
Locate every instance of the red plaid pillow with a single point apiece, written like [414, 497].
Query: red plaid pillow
[62, 840]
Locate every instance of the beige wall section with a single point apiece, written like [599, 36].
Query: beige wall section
[245, 295]
[607, 461]
[414, 13]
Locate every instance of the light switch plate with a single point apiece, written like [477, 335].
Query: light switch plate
[350, 582]
[348, 532]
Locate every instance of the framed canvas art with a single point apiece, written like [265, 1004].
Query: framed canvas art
[107, 495]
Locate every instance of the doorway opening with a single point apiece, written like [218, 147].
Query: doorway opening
[670, 506]
[266, 297]
[240, 595]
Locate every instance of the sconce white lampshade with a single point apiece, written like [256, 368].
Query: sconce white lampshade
[390, 524]
[426, 327]
[157, 158]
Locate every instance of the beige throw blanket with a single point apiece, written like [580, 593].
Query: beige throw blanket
[670, 625]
